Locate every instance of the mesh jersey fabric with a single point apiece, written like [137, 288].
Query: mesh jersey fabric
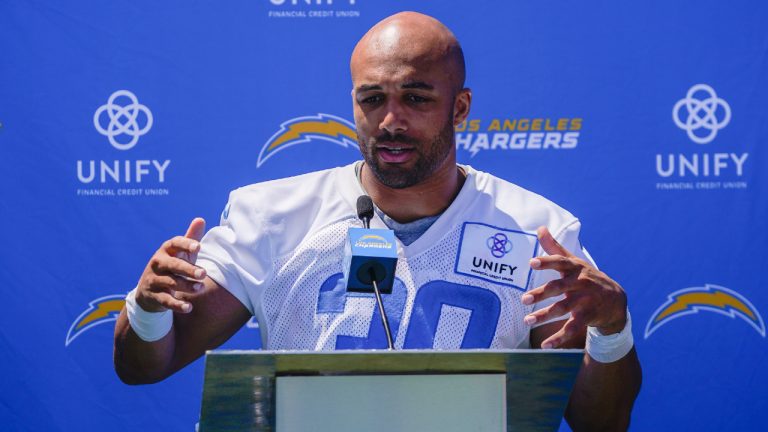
[279, 250]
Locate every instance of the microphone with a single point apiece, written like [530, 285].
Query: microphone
[370, 259]
[369, 254]
[365, 210]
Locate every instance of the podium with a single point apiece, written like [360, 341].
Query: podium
[377, 390]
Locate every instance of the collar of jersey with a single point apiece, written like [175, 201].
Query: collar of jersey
[447, 221]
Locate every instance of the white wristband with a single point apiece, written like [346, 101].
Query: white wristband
[610, 348]
[149, 326]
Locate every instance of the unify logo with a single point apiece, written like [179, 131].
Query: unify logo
[496, 255]
[499, 245]
[701, 114]
[709, 114]
[123, 120]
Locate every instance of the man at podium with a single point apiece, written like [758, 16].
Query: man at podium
[481, 263]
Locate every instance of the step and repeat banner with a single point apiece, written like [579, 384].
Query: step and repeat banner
[122, 121]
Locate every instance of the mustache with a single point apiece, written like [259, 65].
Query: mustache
[387, 137]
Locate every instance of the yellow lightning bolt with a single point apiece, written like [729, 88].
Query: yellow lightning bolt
[717, 299]
[373, 237]
[329, 127]
[102, 311]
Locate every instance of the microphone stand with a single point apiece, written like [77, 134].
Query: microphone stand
[384, 320]
[379, 302]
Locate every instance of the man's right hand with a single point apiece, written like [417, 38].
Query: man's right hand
[171, 273]
[172, 281]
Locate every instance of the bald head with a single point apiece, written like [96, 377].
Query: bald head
[408, 96]
[411, 39]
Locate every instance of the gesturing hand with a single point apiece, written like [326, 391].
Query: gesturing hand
[592, 298]
[171, 272]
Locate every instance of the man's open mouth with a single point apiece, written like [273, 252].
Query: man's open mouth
[394, 153]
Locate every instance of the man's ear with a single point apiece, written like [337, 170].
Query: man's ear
[461, 105]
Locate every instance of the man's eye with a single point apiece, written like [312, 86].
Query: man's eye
[372, 99]
[416, 98]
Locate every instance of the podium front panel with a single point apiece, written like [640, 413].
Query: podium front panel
[240, 391]
[385, 403]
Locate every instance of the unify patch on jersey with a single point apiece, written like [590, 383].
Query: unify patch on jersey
[496, 255]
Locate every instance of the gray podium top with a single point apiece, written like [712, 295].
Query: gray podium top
[239, 388]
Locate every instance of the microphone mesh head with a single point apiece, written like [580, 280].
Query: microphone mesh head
[364, 207]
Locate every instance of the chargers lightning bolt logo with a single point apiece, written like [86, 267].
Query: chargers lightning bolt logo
[299, 130]
[100, 311]
[711, 298]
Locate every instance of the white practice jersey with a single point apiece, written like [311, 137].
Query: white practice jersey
[280, 246]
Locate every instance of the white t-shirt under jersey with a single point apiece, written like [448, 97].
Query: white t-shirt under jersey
[280, 245]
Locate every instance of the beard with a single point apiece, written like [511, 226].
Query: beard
[428, 159]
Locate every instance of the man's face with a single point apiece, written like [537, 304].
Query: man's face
[404, 113]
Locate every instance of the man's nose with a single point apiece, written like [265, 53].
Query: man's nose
[394, 120]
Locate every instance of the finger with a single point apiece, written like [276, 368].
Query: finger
[552, 311]
[181, 244]
[549, 244]
[569, 331]
[552, 288]
[183, 256]
[179, 267]
[174, 283]
[168, 301]
[561, 263]
[196, 229]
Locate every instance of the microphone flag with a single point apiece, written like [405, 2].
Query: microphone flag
[370, 249]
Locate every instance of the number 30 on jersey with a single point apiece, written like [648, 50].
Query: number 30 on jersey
[444, 315]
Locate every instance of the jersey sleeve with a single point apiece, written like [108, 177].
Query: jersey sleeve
[568, 237]
[237, 254]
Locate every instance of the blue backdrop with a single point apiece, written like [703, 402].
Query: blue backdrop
[121, 121]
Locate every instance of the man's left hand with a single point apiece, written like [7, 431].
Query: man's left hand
[591, 297]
